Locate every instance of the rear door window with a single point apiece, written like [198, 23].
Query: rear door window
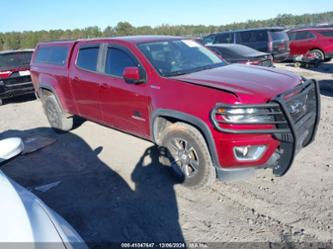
[304, 35]
[245, 36]
[260, 36]
[225, 38]
[116, 61]
[87, 58]
[253, 36]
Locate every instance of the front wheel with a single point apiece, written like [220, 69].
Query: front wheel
[188, 155]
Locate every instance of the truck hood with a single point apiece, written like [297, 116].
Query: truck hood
[250, 83]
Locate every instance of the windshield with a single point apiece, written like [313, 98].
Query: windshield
[15, 60]
[279, 35]
[176, 57]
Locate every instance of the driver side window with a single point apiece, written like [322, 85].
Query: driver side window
[117, 60]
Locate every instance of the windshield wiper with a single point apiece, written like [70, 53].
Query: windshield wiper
[193, 70]
[208, 67]
[175, 74]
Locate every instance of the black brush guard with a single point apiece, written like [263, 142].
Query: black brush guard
[297, 115]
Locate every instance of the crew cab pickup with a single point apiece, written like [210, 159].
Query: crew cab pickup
[210, 118]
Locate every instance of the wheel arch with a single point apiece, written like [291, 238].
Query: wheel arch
[45, 89]
[317, 48]
[161, 118]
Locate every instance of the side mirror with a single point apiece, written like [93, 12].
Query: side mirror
[10, 148]
[133, 75]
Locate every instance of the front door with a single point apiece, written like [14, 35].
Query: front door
[124, 105]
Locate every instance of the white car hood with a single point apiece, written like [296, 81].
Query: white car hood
[25, 218]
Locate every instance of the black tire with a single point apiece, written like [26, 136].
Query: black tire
[188, 155]
[55, 115]
[327, 59]
[319, 54]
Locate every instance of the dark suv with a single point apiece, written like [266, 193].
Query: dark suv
[15, 77]
[270, 40]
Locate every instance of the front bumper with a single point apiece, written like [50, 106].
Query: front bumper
[15, 87]
[283, 139]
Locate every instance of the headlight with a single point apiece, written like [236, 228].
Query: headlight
[247, 115]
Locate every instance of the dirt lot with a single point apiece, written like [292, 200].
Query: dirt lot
[112, 187]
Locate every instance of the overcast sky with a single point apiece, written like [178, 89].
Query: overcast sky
[19, 15]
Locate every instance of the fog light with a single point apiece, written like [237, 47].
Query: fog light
[249, 153]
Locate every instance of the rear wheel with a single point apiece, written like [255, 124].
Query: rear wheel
[188, 155]
[319, 54]
[55, 115]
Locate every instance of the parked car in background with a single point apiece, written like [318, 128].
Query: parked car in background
[15, 77]
[318, 41]
[269, 40]
[213, 118]
[26, 222]
[235, 53]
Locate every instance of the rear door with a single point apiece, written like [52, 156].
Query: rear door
[84, 79]
[303, 42]
[124, 105]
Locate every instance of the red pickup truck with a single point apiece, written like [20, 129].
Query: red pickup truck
[214, 119]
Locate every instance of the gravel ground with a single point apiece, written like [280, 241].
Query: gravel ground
[113, 188]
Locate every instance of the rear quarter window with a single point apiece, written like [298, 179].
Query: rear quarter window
[327, 33]
[53, 55]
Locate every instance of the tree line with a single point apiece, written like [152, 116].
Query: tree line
[29, 39]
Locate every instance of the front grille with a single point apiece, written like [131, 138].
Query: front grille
[302, 104]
